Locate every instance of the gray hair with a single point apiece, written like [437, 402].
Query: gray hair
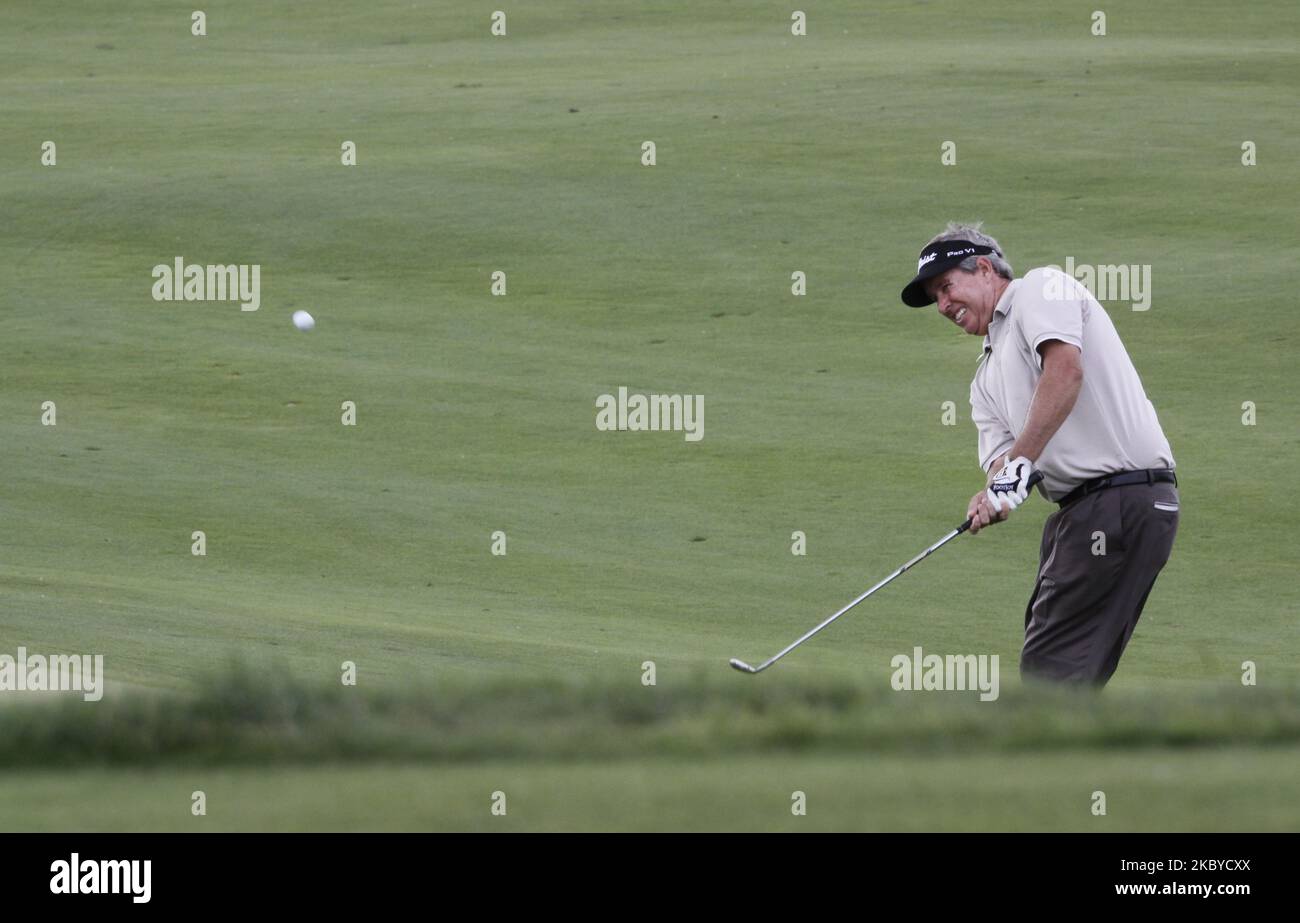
[971, 232]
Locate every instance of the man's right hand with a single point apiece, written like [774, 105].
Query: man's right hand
[981, 513]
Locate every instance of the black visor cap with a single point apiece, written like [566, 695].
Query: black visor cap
[936, 259]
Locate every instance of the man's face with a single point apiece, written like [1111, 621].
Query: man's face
[968, 298]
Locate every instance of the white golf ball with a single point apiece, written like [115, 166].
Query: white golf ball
[303, 321]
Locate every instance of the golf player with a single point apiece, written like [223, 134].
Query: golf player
[1055, 391]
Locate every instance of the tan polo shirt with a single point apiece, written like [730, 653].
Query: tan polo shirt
[1113, 426]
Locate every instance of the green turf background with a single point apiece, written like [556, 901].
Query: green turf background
[476, 413]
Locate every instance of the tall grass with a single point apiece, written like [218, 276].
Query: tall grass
[246, 714]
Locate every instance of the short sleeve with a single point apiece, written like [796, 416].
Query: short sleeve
[994, 438]
[1050, 306]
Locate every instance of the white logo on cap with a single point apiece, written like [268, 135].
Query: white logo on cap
[924, 260]
[964, 250]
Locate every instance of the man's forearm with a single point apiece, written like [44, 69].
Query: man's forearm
[1054, 398]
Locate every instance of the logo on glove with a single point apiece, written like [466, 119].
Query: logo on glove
[1010, 486]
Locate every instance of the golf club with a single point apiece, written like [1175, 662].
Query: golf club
[746, 668]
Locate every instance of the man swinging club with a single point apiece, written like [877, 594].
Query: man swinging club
[1055, 391]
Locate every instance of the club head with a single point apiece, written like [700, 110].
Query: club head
[742, 666]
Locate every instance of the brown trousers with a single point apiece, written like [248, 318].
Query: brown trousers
[1086, 603]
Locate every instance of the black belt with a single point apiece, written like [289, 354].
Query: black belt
[1119, 479]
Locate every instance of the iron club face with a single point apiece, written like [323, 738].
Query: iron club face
[742, 666]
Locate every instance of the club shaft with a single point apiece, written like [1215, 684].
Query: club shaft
[1033, 479]
[920, 557]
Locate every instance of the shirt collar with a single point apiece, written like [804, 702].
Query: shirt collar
[1001, 308]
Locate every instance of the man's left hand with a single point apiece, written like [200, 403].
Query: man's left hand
[1010, 486]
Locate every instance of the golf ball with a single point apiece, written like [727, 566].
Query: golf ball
[303, 321]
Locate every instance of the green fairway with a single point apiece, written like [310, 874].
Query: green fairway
[1234, 789]
[475, 413]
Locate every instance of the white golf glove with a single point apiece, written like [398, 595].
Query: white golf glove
[1010, 486]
